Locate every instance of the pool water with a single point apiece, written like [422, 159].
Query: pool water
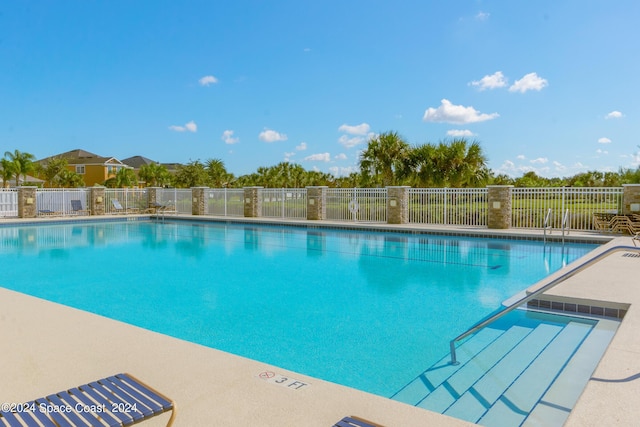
[369, 310]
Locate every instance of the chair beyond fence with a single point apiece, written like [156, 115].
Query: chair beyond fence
[530, 205]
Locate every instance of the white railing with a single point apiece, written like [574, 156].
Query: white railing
[8, 202]
[357, 204]
[448, 206]
[284, 202]
[529, 206]
[62, 201]
[180, 198]
[132, 200]
[224, 201]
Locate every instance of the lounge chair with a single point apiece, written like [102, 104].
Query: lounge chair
[160, 208]
[353, 421]
[119, 400]
[119, 209]
[76, 207]
[635, 239]
[49, 212]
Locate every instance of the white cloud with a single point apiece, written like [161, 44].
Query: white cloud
[614, 115]
[604, 140]
[302, 146]
[341, 156]
[207, 80]
[228, 138]
[343, 171]
[521, 157]
[493, 81]
[456, 114]
[559, 166]
[287, 156]
[482, 16]
[599, 151]
[351, 142]
[189, 127]
[320, 157]
[459, 133]
[529, 82]
[269, 135]
[539, 160]
[361, 129]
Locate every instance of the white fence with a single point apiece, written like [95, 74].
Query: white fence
[224, 201]
[284, 202]
[440, 206]
[131, 200]
[529, 206]
[8, 202]
[357, 204]
[62, 201]
[448, 206]
[180, 198]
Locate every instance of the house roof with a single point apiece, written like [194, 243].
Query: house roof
[82, 157]
[137, 161]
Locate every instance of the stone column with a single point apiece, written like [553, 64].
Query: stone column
[398, 205]
[97, 200]
[630, 199]
[252, 202]
[316, 203]
[27, 202]
[499, 209]
[152, 197]
[198, 205]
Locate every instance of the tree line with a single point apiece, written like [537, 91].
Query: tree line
[387, 160]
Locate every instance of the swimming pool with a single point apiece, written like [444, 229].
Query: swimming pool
[369, 310]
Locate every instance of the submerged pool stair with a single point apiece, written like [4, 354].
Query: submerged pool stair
[531, 372]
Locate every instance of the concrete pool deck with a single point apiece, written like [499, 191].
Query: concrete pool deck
[49, 347]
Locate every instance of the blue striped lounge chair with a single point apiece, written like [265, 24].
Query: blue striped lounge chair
[119, 400]
[354, 421]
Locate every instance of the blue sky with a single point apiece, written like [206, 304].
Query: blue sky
[548, 86]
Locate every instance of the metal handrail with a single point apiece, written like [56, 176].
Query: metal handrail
[546, 225]
[565, 221]
[481, 324]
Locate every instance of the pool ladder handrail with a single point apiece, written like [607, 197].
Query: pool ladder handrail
[490, 319]
[565, 223]
[546, 226]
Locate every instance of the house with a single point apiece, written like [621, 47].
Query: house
[93, 169]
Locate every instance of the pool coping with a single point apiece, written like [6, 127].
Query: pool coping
[238, 395]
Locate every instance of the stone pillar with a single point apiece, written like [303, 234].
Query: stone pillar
[97, 200]
[499, 209]
[630, 199]
[152, 198]
[27, 202]
[398, 205]
[198, 205]
[316, 203]
[252, 202]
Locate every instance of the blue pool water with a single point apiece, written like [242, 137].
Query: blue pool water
[369, 310]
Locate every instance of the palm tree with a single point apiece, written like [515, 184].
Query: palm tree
[385, 158]
[154, 174]
[52, 169]
[7, 172]
[218, 175]
[193, 174]
[23, 163]
[68, 179]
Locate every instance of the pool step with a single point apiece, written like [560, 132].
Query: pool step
[503, 373]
